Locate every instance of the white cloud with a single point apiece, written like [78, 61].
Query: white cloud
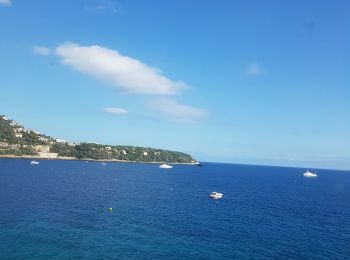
[5, 2]
[254, 69]
[177, 111]
[41, 50]
[120, 71]
[115, 110]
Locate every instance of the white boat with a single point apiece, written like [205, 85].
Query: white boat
[34, 162]
[215, 195]
[198, 164]
[165, 166]
[104, 163]
[309, 174]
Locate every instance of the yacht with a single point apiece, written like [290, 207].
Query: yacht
[309, 174]
[34, 162]
[215, 195]
[165, 166]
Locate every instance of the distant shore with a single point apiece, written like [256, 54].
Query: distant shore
[10, 156]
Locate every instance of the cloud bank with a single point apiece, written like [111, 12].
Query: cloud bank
[118, 70]
[115, 110]
[5, 2]
[128, 74]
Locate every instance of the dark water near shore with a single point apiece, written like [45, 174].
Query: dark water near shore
[58, 209]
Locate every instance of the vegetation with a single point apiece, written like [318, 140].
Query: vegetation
[127, 153]
[18, 151]
[6, 131]
[18, 141]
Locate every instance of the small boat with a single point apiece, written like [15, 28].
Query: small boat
[199, 164]
[309, 174]
[104, 163]
[165, 166]
[215, 195]
[34, 162]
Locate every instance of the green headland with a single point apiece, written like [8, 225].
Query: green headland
[16, 141]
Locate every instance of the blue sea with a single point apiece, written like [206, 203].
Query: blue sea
[59, 210]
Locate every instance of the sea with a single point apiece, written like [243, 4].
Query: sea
[85, 210]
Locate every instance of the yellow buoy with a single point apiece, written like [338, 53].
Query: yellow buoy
[110, 209]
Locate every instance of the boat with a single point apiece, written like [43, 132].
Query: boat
[104, 163]
[216, 195]
[34, 162]
[165, 166]
[309, 174]
[199, 164]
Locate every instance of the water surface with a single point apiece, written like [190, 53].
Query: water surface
[59, 209]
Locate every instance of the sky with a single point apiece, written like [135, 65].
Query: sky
[254, 82]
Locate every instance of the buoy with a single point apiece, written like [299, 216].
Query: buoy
[110, 209]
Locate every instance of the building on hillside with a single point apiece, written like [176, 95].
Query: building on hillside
[14, 123]
[44, 139]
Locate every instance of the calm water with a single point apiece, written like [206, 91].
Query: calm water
[58, 209]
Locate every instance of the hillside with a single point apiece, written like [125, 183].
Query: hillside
[17, 141]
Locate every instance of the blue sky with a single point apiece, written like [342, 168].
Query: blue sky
[262, 82]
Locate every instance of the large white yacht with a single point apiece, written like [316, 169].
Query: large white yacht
[165, 166]
[215, 195]
[309, 174]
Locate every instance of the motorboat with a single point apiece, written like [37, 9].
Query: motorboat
[34, 162]
[216, 195]
[165, 166]
[309, 174]
[199, 164]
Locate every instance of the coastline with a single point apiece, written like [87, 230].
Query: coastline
[10, 156]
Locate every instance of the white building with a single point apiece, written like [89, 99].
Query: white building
[13, 123]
